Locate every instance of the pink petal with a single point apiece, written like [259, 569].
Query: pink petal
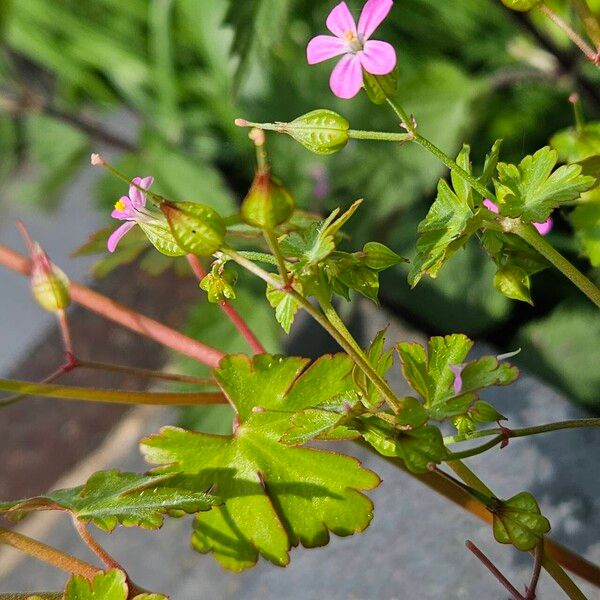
[324, 47]
[457, 370]
[127, 213]
[346, 78]
[138, 199]
[378, 58]
[546, 227]
[341, 21]
[491, 206]
[373, 13]
[117, 234]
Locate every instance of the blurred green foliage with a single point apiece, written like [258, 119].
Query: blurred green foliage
[167, 79]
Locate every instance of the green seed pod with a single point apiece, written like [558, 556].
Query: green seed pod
[49, 284]
[321, 131]
[198, 229]
[521, 5]
[464, 424]
[268, 202]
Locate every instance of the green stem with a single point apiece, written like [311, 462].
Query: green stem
[470, 478]
[337, 322]
[562, 579]
[381, 136]
[478, 450]
[276, 250]
[524, 431]
[589, 52]
[110, 396]
[592, 26]
[349, 348]
[534, 239]
[431, 147]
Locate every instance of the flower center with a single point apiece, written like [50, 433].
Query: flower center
[120, 205]
[355, 43]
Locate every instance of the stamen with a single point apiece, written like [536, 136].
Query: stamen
[120, 205]
[350, 36]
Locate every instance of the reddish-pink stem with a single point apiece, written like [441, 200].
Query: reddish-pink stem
[494, 571]
[126, 317]
[233, 314]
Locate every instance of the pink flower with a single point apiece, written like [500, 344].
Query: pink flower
[352, 41]
[543, 228]
[132, 210]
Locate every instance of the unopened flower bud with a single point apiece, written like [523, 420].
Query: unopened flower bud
[268, 202]
[49, 284]
[219, 283]
[198, 229]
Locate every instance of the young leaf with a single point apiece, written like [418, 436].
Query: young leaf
[428, 371]
[111, 498]
[275, 496]
[491, 163]
[111, 585]
[532, 190]
[446, 228]
[284, 304]
[519, 521]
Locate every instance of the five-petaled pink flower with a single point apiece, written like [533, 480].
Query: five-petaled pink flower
[543, 228]
[352, 41]
[131, 209]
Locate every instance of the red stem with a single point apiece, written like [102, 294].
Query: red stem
[494, 571]
[233, 314]
[126, 317]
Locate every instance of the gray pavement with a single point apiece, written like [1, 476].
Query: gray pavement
[415, 545]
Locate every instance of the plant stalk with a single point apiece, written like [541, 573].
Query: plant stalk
[572, 273]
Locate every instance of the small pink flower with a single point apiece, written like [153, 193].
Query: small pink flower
[352, 41]
[543, 228]
[131, 209]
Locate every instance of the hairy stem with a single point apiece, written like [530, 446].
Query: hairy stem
[111, 396]
[276, 251]
[538, 556]
[233, 315]
[128, 318]
[589, 52]
[589, 20]
[524, 431]
[493, 569]
[47, 554]
[574, 275]
[94, 546]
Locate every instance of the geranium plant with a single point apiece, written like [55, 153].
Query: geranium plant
[264, 489]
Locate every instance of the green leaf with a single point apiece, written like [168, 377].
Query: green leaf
[521, 5]
[418, 448]
[379, 257]
[381, 362]
[380, 87]
[532, 190]
[575, 145]
[446, 228]
[428, 371]
[519, 521]
[491, 163]
[285, 305]
[110, 585]
[485, 372]
[514, 283]
[275, 496]
[111, 498]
